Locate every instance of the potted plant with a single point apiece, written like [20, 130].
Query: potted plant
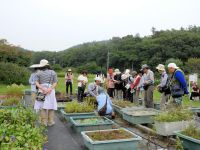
[172, 120]
[139, 116]
[190, 138]
[74, 108]
[111, 139]
[118, 105]
[89, 123]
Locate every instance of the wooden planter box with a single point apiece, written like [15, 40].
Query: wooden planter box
[130, 117]
[168, 128]
[78, 127]
[188, 143]
[121, 144]
[68, 115]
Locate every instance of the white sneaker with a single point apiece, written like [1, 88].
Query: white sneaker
[51, 124]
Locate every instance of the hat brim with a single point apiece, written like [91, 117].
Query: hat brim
[34, 66]
[160, 69]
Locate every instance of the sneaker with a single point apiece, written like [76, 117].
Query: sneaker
[51, 124]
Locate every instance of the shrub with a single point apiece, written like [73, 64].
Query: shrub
[15, 90]
[12, 73]
[174, 115]
[10, 101]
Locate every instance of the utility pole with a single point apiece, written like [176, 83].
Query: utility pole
[108, 59]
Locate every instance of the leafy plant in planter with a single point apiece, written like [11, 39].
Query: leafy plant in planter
[109, 135]
[192, 131]
[123, 104]
[90, 121]
[174, 115]
[75, 107]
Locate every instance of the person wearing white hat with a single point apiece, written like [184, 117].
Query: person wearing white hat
[178, 83]
[69, 81]
[82, 82]
[163, 86]
[93, 87]
[46, 81]
[148, 86]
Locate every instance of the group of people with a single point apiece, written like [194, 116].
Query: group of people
[120, 86]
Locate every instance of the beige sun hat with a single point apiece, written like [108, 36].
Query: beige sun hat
[69, 70]
[98, 79]
[161, 67]
[43, 63]
[117, 71]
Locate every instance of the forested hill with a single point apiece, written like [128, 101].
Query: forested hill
[131, 50]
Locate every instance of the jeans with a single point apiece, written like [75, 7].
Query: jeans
[69, 85]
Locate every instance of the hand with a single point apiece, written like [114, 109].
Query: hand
[49, 90]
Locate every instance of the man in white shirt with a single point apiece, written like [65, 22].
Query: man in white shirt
[82, 81]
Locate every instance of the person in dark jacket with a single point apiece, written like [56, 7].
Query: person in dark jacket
[118, 85]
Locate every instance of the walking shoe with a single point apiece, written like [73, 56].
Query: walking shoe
[51, 124]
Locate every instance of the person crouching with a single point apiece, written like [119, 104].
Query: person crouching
[104, 104]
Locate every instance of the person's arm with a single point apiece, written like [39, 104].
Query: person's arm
[180, 77]
[164, 80]
[31, 80]
[136, 83]
[90, 90]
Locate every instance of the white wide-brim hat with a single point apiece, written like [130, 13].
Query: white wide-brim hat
[43, 63]
[69, 70]
[161, 67]
[172, 65]
[34, 66]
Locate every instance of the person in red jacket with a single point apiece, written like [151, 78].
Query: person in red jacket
[135, 86]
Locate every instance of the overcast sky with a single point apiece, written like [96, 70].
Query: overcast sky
[60, 24]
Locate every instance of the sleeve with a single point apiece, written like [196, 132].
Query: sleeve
[31, 81]
[180, 77]
[55, 79]
[136, 83]
[90, 88]
[37, 77]
[164, 80]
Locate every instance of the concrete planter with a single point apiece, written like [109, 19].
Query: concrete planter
[121, 144]
[168, 128]
[103, 124]
[142, 118]
[68, 115]
[157, 106]
[117, 109]
[188, 143]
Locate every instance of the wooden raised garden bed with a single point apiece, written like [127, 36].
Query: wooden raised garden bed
[113, 139]
[91, 123]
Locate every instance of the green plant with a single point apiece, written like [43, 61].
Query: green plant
[75, 107]
[109, 135]
[14, 90]
[123, 104]
[19, 131]
[174, 115]
[12, 73]
[192, 131]
[10, 101]
[96, 120]
[178, 145]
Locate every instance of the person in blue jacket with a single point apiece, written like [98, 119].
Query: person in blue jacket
[104, 100]
[178, 83]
